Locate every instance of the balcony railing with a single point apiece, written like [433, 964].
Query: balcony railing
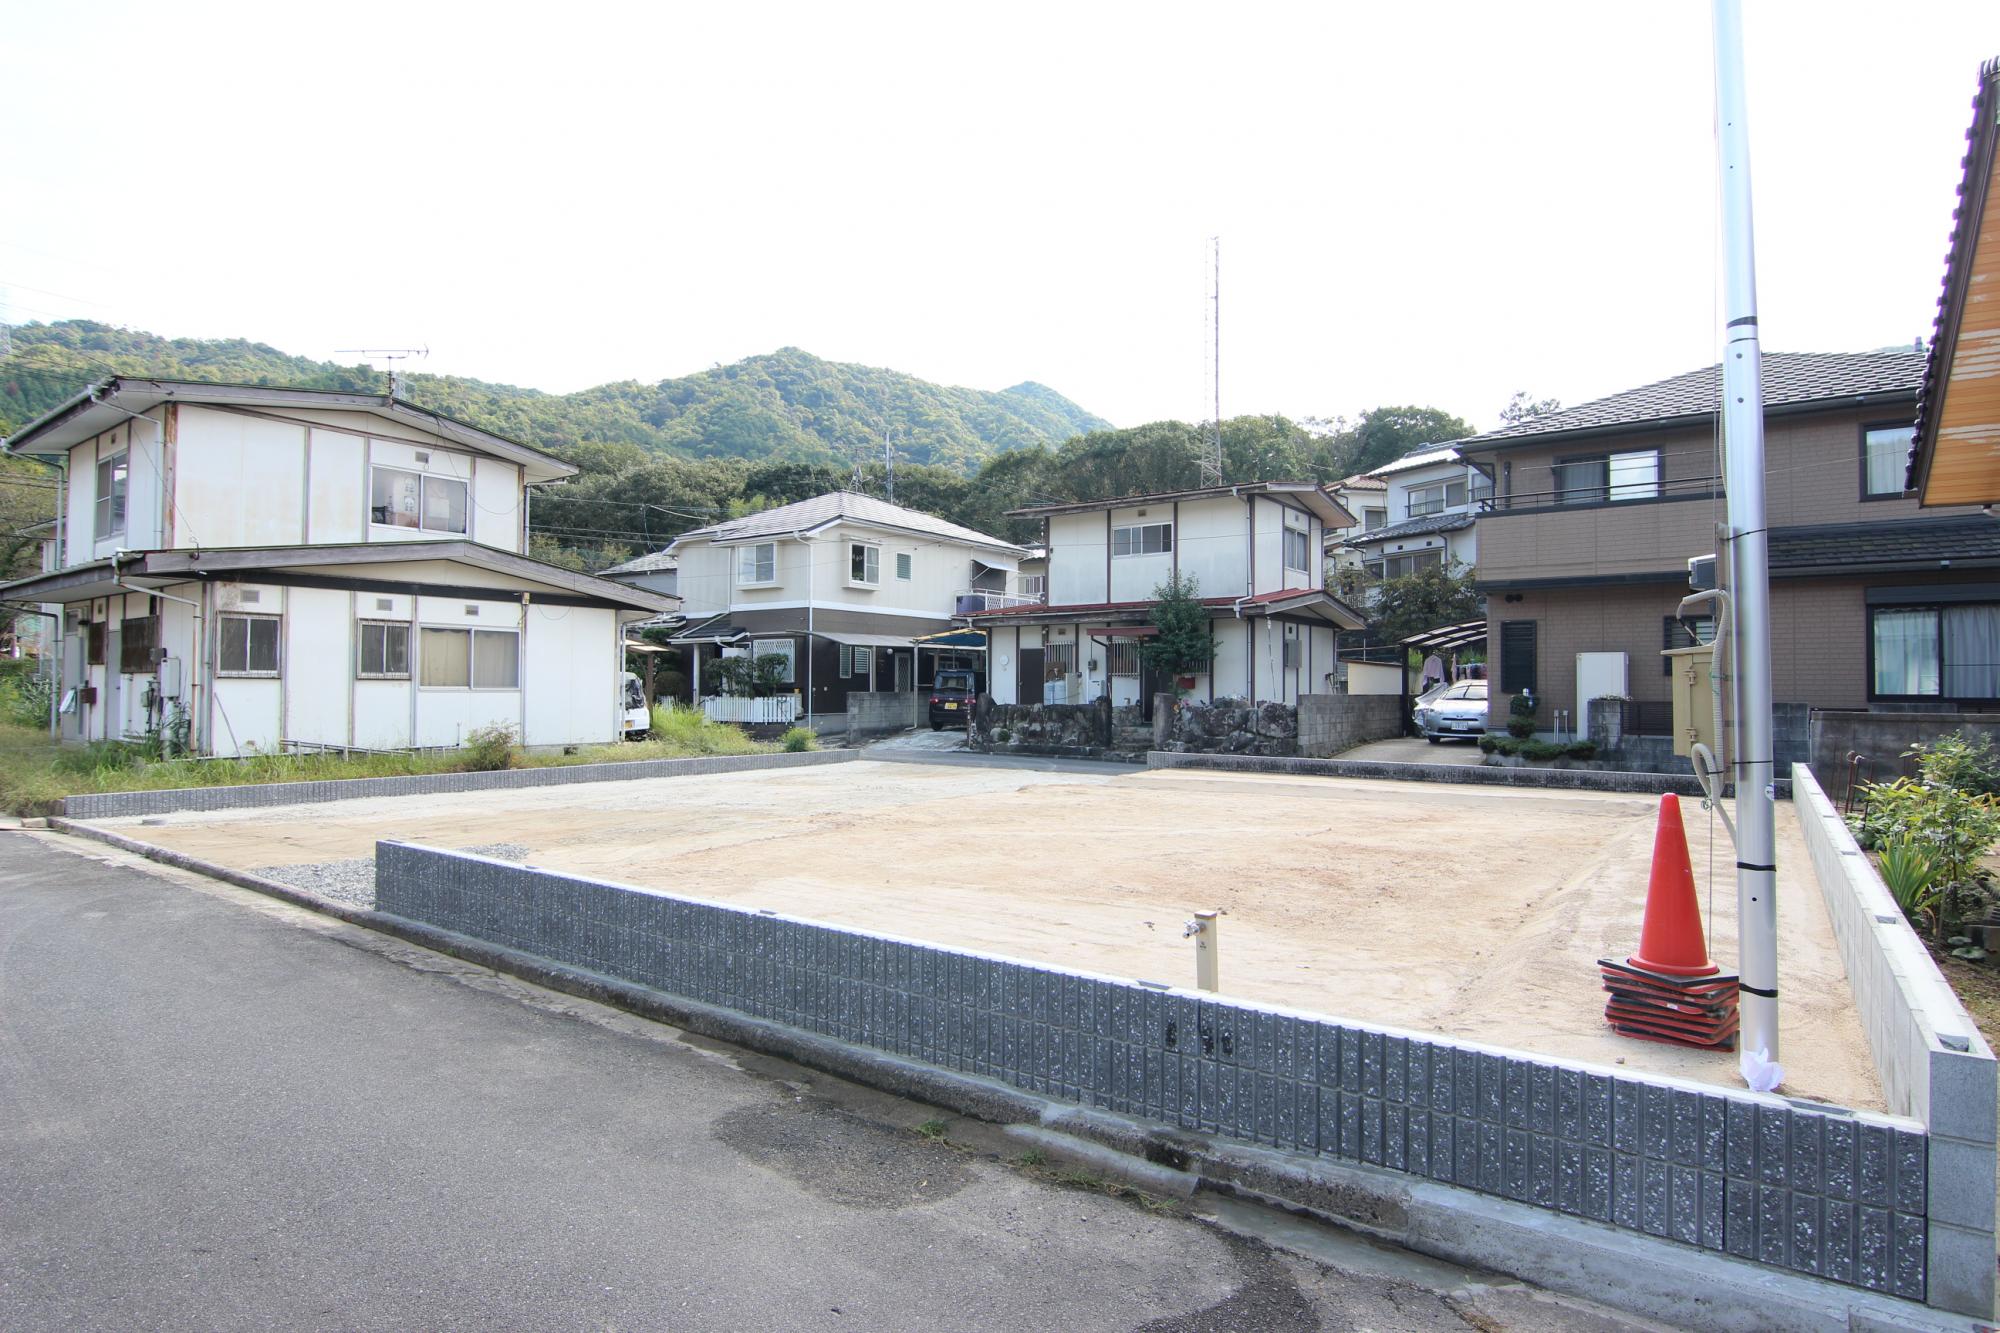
[970, 600]
[780, 709]
[1609, 494]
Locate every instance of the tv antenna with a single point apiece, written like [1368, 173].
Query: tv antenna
[391, 355]
[1208, 454]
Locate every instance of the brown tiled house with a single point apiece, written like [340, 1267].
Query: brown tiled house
[1597, 510]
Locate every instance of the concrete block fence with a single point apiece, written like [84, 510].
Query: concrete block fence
[1562, 779]
[1833, 1194]
[120, 804]
[1934, 1065]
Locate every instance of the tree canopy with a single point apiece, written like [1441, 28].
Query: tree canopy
[1425, 600]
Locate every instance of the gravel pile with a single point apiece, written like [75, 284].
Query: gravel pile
[353, 882]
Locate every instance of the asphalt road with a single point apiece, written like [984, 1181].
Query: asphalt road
[218, 1111]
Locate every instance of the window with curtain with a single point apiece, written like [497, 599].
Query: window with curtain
[1906, 648]
[757, 564]
[1885, 459]
[1972, 652]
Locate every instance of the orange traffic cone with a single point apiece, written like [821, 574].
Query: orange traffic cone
[1670, 941]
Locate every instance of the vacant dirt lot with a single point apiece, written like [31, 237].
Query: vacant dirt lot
[1475, 912]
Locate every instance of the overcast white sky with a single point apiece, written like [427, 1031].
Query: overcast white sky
[1426, 203]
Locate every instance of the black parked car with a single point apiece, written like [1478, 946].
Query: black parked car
[951, 698]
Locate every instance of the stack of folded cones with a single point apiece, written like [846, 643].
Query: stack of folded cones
[1669, 991]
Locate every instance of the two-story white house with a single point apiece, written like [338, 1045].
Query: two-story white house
[1427, 514]
[1254, 554]
[253, 569]
[843, 586]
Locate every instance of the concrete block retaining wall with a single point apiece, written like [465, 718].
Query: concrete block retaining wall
[1331, 723]
[1829, 1193]
[1934, 1065]
[1572, 779]
[115, 805]
[880, 711]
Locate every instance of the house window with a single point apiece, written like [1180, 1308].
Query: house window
[1935, 652]
[1885, 458]
[1058, 661]
[1479, 487]
[864, 564]
[1405, 563]
[1372, 519]
[138, 644]
[478, 659]
[1517, 656]
[1298, 550]
[416, 500]
[1145, 539]
[1291, 649]
[757, 564]
[1034, 585]
[93, 643]
[247, 646]
[110, 517]
[1608, 477]
[1124, 657]
[784, 648]
[903, 566]
[1436, 498]
[846, 661]
[384, 648]
[1674, 634]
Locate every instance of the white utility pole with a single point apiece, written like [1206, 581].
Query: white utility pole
[1749, 545]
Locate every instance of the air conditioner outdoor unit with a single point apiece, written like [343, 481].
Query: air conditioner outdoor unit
[1701, 573]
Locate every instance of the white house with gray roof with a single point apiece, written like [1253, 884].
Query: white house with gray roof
[845, 587]
[1431, 499]
[244, 569]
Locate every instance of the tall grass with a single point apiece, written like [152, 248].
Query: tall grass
[35, 775]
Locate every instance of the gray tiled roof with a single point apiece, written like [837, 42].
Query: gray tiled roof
[645, 564]
[1917, 542]
[1789, 378]
[1415, 527]
[837, 505]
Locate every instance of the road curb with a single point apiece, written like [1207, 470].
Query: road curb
[1567, 1255]
[258, 795]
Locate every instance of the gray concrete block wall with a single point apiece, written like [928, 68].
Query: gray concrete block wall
[880, 711]
[1570, 779]
[1833, 1194]
[1331, 723]
[1934, 1065]
[116, 805]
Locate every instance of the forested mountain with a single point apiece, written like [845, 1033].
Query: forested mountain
[660, 459]
[788, 405]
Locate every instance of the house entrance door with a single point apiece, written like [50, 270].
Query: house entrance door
[1028, 680]
[114, 712]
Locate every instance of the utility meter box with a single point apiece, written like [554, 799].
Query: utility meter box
[1694, 696]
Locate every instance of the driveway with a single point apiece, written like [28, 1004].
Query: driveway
[225, 1112]
[1416, 750]
[920, 741]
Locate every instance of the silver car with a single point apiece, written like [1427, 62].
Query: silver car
[1456, 710]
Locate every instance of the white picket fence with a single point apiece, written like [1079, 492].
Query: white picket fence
[782, 708]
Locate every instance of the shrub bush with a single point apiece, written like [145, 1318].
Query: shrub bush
[799, 740]
[1520, 728]
[1931, 831]
[487, 749]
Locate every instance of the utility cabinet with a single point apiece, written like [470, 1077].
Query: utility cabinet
[1693, 684]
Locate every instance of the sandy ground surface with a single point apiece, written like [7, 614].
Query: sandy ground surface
[1478, 913]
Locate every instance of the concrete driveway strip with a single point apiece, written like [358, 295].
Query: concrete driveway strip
[215, 1117]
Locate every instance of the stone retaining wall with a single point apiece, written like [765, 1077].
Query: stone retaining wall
[115, 805]
[1824, 1192]
[1060, 729]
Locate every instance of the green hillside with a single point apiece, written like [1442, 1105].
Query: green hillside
[787, 406]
